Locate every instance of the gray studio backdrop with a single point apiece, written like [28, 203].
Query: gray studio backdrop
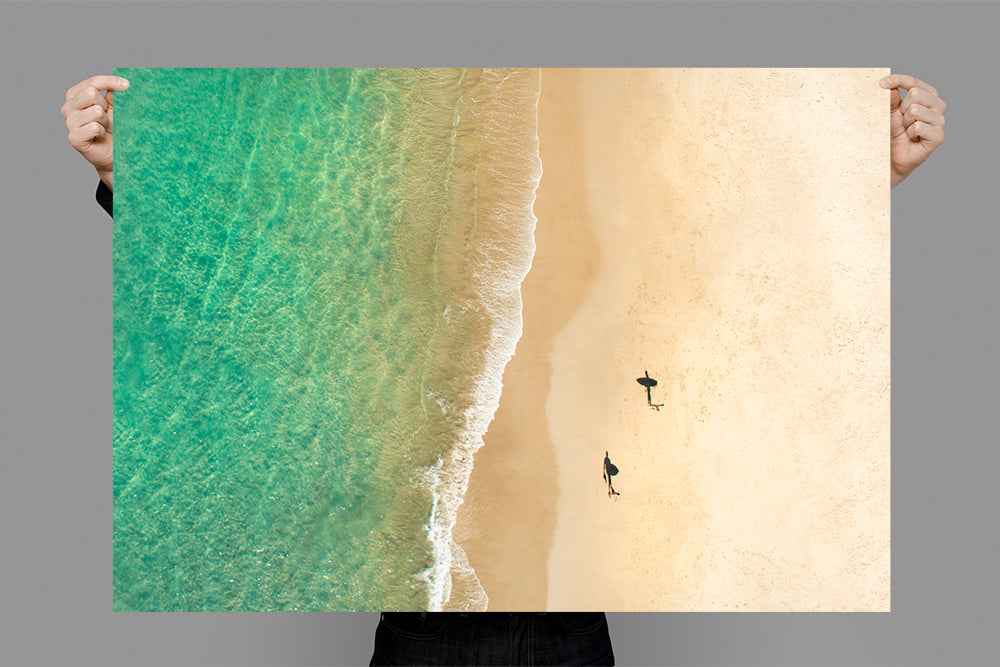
[55, 474]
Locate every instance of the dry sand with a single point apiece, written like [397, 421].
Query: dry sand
[728, 231]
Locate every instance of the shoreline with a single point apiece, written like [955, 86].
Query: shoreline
[508, 514]
[503, 172]
[722, 243]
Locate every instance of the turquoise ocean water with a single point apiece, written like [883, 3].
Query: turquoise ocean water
[316, 289]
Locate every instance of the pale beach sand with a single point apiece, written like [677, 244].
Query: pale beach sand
[507, 519]
[724, 231]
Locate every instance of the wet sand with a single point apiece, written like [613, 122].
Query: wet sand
[728, 231]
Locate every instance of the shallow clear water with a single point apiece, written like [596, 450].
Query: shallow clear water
[316, 278]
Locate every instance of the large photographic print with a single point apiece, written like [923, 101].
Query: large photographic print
[501, 339]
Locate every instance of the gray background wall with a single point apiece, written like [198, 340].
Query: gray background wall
[55, 277]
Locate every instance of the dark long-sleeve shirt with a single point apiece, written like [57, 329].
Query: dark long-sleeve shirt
[105, 198]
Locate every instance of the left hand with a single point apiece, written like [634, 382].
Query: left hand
[916, 123]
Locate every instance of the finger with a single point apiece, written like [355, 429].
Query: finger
[86, 97]
[905, 82]
[923, 115]
[81, 137]
[921, 96]
[100, 82]
[88, 115]
[916, 112]
[920, 131]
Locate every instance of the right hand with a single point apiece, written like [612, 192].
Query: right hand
[89, 119]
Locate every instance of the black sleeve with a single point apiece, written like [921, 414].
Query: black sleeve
[105, 198]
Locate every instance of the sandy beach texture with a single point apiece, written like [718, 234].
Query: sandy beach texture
[728, 231]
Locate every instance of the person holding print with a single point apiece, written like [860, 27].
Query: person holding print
[916, 129]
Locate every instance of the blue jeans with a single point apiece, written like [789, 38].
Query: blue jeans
[490, 638]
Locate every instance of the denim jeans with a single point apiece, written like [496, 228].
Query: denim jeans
[492, 638]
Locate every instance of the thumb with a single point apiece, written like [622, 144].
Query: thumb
[895, 115]
[894, 100]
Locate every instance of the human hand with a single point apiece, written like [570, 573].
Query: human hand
[89, 119]
[916, 124]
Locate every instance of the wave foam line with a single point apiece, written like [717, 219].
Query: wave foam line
[502, 264]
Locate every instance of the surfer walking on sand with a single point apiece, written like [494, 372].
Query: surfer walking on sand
[649, 383]
[610, 469]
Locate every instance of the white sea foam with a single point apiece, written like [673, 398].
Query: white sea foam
[513, 167]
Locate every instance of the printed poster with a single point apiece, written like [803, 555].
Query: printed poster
[501, 339]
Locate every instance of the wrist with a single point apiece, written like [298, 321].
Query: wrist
[108, 177]
[897, 175]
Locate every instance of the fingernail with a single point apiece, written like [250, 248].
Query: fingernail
[124, 81]
[884, 82]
